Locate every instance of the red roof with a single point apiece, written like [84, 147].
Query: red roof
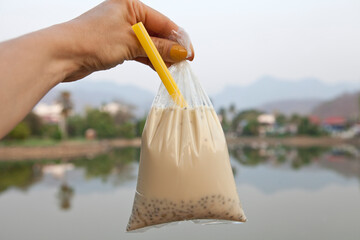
[334, 121]
[314, 120]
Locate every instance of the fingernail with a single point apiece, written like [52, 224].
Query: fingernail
[178, 53]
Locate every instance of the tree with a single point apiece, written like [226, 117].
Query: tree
[67, 106]
[246, 116]
[101, 122]
[20, 132]
[224, 121]
[35, 124]
[52, 131]
[232, 111]
[281, 119]
[252, 128]
[125, 114]
[76, 126]
[359, 106]
[140, 124]
[305, 127]
[126, 130]
[295, 118]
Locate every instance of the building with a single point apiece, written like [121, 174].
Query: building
[334, 124]
[115, 107]
[49, 113]
[267, 123]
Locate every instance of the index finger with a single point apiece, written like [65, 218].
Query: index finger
[156, 23]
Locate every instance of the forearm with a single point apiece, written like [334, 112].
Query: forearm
[30, 66]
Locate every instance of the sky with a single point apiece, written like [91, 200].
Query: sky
[236, 42]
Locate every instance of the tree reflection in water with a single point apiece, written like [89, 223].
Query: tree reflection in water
[19, 175]
[114, 166]
[297, 157]
[343, 160]
[65, 195]
[101, 166]
[23, 174]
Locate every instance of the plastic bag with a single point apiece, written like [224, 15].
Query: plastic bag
[184, 171]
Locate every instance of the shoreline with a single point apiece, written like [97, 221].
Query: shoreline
[69, 149]
[64, 150]
[299, 141]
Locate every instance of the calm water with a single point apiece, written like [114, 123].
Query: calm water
[287, 193]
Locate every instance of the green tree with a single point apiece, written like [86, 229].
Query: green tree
[102, 123]
[140, 124]
[247, 116]
[232, 111]
[252, 128]
[35, 124]
[52, 131]
[76, 126]
[305, 127]
[281, 119]
[359, 106]
[295, 118]
[224, 120]
[20, 132]
[126, 130]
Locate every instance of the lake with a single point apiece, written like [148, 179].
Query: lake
[286, 192]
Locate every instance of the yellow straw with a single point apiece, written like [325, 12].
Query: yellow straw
[158, 64]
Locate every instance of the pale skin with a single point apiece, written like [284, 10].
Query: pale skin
[100, 39]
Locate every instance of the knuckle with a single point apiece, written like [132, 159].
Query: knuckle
[162, 47]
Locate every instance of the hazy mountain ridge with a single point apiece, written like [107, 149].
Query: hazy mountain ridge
[291, 106]
[269, 89]
[267, 94]
[346, 105]
[96, 93]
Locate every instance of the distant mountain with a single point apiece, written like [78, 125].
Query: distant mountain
[345, 105]
[95, 93]
[291, 106]
[267, 94]
[268, 89]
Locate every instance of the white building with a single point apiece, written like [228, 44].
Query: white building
[50, 113]
[266, 119]
[114, 107]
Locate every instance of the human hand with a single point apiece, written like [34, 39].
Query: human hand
[103, 38]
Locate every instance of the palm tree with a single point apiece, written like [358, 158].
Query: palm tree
[231, 113]
[67, 106]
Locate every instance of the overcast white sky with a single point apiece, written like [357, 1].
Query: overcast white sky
[236, 42]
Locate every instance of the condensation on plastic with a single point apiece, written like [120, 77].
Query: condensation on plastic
[184, 170]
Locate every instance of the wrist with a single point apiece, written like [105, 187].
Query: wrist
[64, 50]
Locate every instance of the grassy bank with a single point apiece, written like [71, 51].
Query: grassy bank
[39, 142]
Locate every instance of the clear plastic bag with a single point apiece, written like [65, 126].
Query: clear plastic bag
[184, 172]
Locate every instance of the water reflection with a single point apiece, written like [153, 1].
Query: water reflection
[296, 157]
[65, 195]
[343, 160]
[287, 192]
[113, 168]
[23, 175]
[19, 175]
